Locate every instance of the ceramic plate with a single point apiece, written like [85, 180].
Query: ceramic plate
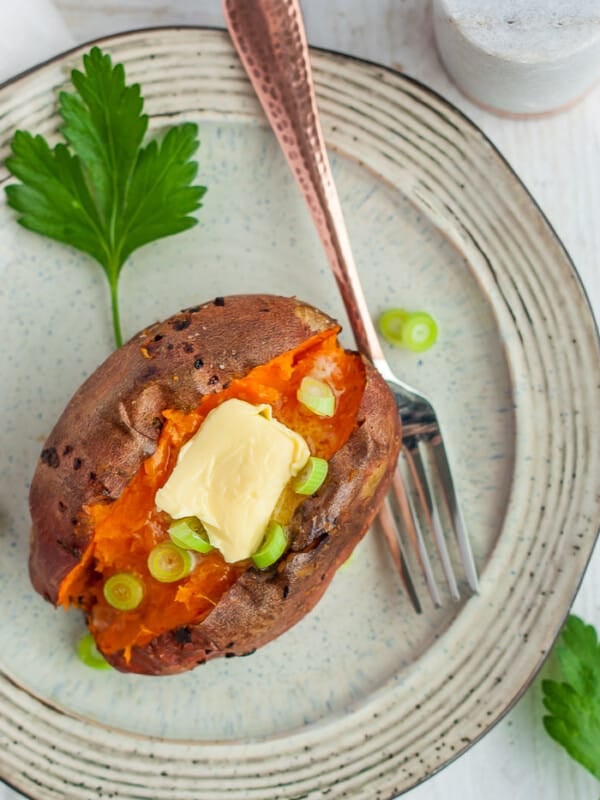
[363, 698]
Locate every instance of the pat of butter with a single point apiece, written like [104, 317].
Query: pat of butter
[231, 473]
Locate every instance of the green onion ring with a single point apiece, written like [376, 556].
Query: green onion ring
[89, 654]
[189, 534]
[272, 547]
[312, 476]
[417, 330]
[123, 591]
[317, 396]
[168, 563]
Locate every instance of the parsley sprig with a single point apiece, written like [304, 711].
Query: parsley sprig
[103, 192]
[574, 705]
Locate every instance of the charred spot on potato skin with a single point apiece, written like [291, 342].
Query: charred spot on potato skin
[49, 456]
[157, 423]
[181, 324]
[183, 635]
[286, 591]
[188, 347]
[198, 363]
[192, 309]
[77, 462]
[321, 536]
[214, 379]
[61, 507]
[71, 549]
[68, 448]
[230, 655]
[248, 653]
[219, 301]
[150, 372]
[158, 337]
[92, 476]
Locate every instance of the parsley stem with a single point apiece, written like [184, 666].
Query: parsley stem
[114, 303]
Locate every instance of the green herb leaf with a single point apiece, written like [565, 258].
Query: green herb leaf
[103, 192]
[574, 705]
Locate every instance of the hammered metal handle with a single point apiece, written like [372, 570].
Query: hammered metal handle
[271, 42]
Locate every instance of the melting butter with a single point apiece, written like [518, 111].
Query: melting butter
[231, 473]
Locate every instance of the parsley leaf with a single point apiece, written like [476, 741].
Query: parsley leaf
[574, 705]
[102, 191]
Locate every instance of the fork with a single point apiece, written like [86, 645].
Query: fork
[271, 41]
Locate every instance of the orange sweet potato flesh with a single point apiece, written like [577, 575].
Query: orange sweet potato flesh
[92, 495]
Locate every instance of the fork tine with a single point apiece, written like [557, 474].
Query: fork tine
[413, 529]
[464, 545]
[388, 526]
[415, 463]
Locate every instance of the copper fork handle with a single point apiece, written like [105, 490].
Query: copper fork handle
[271, 42]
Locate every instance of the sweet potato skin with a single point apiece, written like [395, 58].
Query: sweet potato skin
[113, 422]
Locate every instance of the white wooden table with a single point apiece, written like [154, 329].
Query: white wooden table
[558, 158]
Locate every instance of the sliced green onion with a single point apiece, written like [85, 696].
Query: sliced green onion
[420, 332]
[124, 591]
[417, 331]
[189, 534]
[272, 547]
[312, 476]
[168, 563]
[89, 653]
[316, 396]
[391, 324]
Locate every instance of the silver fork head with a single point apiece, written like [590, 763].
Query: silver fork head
[425, 496]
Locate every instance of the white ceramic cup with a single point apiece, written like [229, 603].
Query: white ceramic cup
[520, 57]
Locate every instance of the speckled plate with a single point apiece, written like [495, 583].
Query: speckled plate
[362, 699]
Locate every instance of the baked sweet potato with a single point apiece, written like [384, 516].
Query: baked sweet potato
[92, 495]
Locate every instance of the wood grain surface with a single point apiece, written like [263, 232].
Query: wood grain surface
[558, 158]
